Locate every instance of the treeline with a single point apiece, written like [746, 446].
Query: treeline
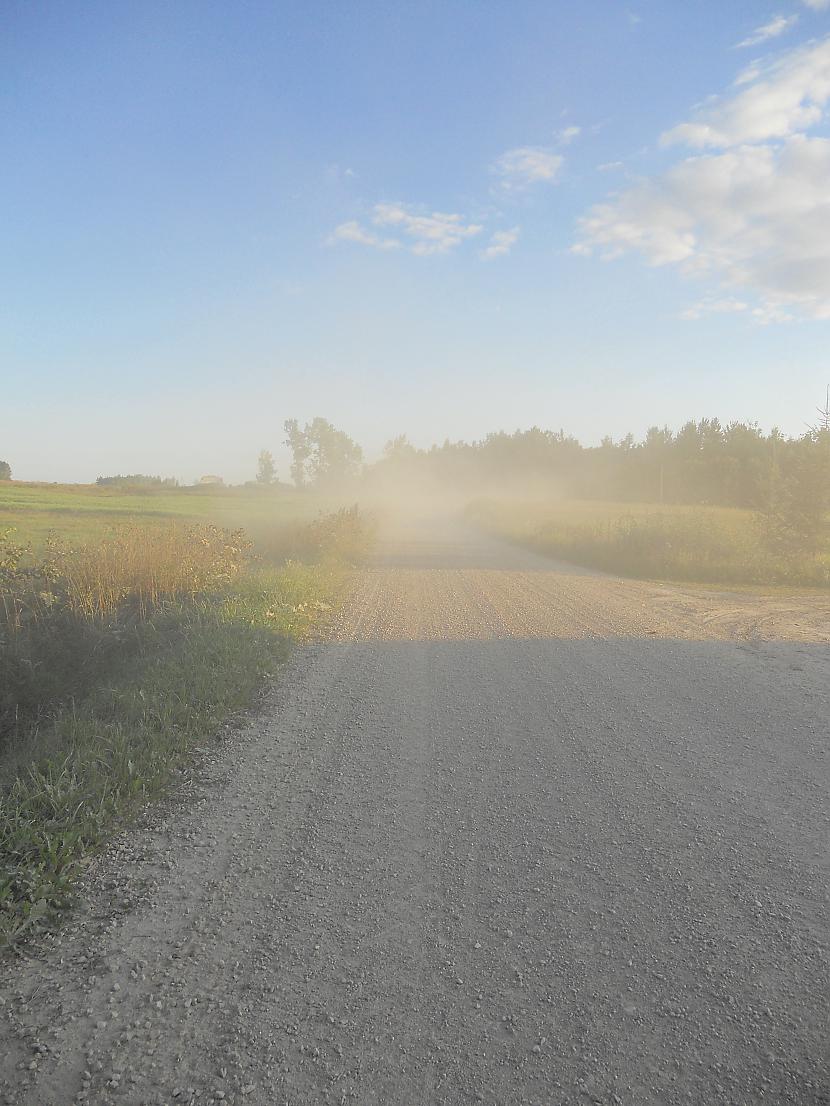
[705, 462]
[137, 480]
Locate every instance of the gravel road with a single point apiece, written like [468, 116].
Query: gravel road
[513, 833]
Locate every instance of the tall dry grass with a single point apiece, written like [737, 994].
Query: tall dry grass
[66, 617]
[134, 569]
[688, 543]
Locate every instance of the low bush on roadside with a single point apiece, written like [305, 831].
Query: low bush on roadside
[114, 659]
[343, 536]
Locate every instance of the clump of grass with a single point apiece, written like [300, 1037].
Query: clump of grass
[114, 659]
[715, 545]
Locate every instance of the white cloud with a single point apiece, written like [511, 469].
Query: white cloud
[527, 165]
[434, 233]
[437, 232]
[569, 134]
[609, 166]
[756, 218]
[354, 232]
[818, 5]
[753, 218]
[501, 243]
[776, 100]
[776, 26]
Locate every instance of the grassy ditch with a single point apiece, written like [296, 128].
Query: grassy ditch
[649, 541]
[116, 658]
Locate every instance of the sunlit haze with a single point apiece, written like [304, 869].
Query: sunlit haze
[433, 219]
[414, 552]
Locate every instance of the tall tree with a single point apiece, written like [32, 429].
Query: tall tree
[323, 456]
[5, 470]
[266, 469]
[297, 441]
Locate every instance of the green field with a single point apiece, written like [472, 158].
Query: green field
[654, 541]
[85, 513]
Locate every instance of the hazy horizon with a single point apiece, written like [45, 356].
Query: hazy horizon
[244, 470]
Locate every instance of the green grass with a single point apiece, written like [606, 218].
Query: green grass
[654, 541]
[81, 512]
[115, 660]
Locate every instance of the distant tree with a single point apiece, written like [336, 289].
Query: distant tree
[266, 469]
[5, 470]
[335, 458]
[137, 480]
[297, 441]
[399, 451]
[705, 461]
[323, 456]
[400, 460]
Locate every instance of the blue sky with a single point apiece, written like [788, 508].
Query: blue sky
[432, 218]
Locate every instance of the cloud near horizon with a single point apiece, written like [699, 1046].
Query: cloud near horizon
[754, 216]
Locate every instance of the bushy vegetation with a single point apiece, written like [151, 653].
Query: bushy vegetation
[706, 544]
[343, 535]
[115, 657]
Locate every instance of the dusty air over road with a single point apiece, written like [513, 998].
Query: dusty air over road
[509, 832]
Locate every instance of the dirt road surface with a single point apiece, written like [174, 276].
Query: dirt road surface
[514, 833]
